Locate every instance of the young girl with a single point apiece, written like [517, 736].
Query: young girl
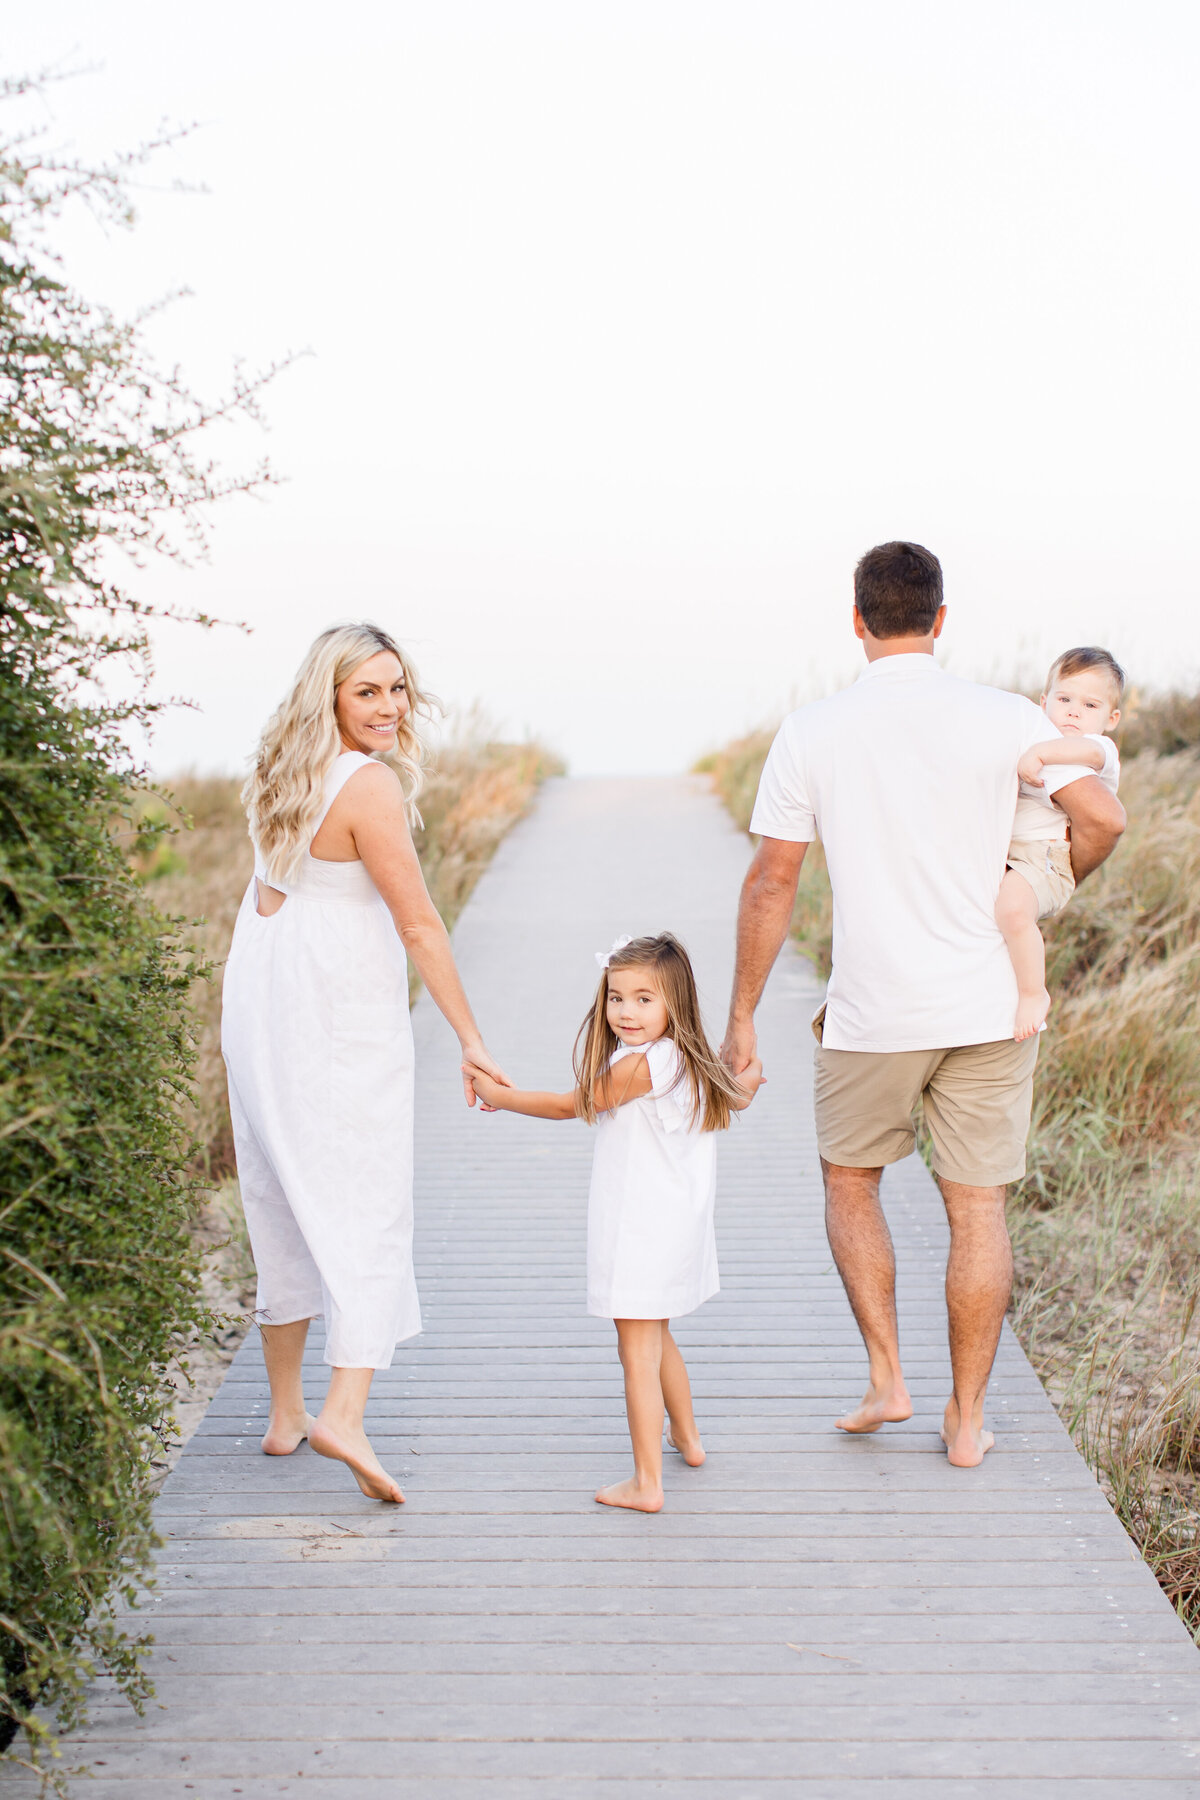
[652, 1087]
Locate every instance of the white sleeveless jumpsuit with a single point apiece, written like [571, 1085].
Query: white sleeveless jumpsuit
[319, 1052]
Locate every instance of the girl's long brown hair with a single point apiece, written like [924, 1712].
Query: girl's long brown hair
[709, 1082]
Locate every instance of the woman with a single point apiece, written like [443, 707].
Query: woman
[316, 1033]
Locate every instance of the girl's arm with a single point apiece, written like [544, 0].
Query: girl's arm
[630, 1080]
[518, 1100]
[1082, 752]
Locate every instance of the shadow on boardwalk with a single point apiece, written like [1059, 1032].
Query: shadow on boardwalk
[810, 1615]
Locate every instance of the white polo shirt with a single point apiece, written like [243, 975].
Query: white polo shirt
[910, 779]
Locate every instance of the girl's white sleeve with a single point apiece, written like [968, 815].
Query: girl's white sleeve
[668, 1087]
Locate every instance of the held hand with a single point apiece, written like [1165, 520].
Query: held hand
[1029, 769]
[751, 1077]
[475, 1055]
[484, 1086]
[740, 1047]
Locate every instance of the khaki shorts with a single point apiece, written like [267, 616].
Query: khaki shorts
[1046, 865]
[977, 1099]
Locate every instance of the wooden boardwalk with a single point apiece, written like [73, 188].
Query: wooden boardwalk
[811, 1615]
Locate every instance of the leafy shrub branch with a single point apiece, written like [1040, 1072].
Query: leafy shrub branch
[98, 1277]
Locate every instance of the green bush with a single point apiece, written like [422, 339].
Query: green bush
[98, 1278]
[97, 1273]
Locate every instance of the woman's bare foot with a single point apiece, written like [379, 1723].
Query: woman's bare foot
[638, 1496]
[966, 1442]
[354, 1449]
[691, 1449]
[881, 1406]
[1031, 1014]
[283, 1435]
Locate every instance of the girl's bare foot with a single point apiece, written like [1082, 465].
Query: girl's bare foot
[638, 1496]
[1031, 1014]
[283, 1435]
[354, 1449]
[881, 1406]
[691, 1449]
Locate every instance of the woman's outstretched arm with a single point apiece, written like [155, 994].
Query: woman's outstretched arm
[371, 808]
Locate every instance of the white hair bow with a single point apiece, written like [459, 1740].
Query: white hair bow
[603, 958]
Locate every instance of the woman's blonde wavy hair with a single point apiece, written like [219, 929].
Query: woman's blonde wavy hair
[711, 1088]
[300, 743]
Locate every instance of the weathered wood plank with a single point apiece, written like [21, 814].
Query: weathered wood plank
[631, 1758]
[511, 1656]
[328, 1689]
[489, 1787]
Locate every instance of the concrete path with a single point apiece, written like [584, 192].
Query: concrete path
[811, 1615]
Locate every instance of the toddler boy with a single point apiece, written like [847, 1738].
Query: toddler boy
[1083, 698]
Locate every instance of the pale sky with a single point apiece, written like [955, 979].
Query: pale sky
[634, 324]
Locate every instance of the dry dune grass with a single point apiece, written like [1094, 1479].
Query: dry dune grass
[1107, 1226]
[199, 873]
[735, 771]
[473, 797]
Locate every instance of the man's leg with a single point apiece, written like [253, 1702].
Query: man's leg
[977, 1107]
[862, 1249]
[979, 1277]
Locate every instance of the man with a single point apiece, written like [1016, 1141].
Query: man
[909, 777]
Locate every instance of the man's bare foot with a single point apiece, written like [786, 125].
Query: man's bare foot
[1031, 1014]
[354, 1449]
[282, 1436]
[691, 1449]
[966, 1443]
[637, 1496]
[880, 1406]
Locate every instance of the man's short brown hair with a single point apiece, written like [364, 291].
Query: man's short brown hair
[898, 590]
[1089, 656]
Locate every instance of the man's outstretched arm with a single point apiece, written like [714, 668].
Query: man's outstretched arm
[1097, 821]
[764, 914]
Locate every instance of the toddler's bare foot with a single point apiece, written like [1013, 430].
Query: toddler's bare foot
[354, 1449]
[690, 1448]
[638, 1496]
[881, 1406]
[966, 1442]
[285, 1433]
[1031, 1014]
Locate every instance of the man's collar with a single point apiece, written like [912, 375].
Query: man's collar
[900, 668]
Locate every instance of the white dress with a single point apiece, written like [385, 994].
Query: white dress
[319, 1051]
[652, 1248]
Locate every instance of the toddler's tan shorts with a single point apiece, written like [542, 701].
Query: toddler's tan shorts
[1046, 865]
[976, 1098]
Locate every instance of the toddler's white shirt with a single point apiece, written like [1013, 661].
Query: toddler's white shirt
[1038, 820]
